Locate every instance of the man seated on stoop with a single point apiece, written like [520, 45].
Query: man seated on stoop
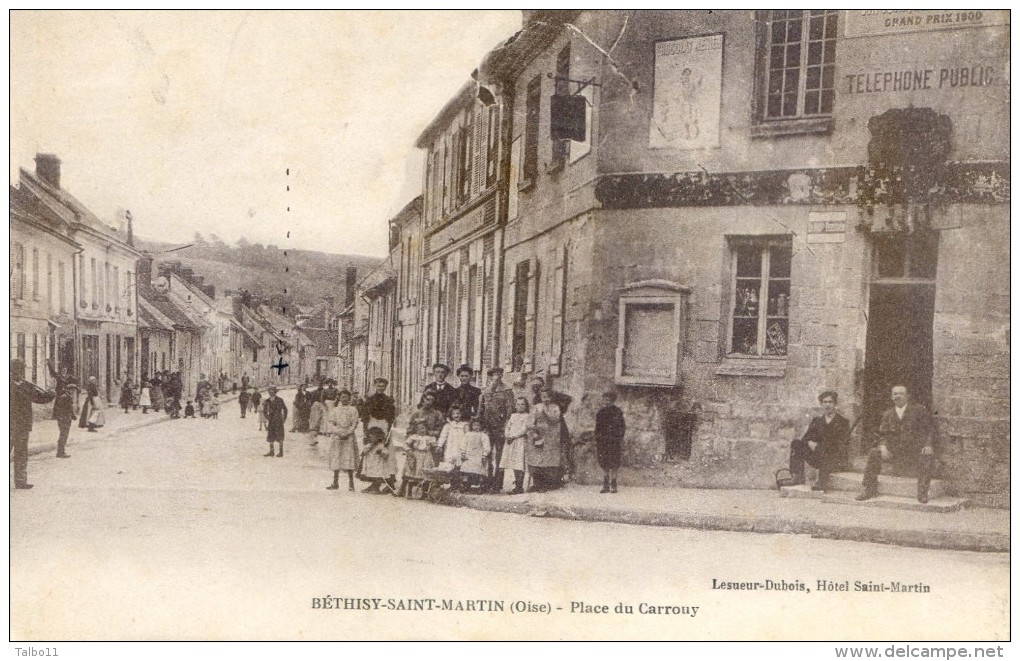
[824, 444]
[907, 436]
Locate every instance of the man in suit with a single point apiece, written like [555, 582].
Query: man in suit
[907, 436]
[23, 395]
[823, 445]
[276, 416]
[445, 394]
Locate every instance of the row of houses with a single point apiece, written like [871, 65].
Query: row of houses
[718, 214]
[86, 301]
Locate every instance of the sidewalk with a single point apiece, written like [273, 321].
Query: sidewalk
[762, 511]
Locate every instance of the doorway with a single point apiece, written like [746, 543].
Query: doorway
[901, 317]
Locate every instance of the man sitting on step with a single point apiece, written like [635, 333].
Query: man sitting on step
[823, 445]
[907, 436]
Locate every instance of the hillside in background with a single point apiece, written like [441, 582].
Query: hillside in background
[283, 278]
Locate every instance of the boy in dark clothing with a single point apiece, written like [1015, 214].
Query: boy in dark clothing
[609, 429]
[63, 412]
[189, 410]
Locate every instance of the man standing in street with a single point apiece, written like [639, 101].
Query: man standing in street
[494, 408]
[63, 411]
[907, 436]
[275, 412]
[379, 410]
[445, 394]
[23, 395]
[467, 394]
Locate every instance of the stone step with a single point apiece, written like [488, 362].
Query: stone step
[941, 504]
[888, 485]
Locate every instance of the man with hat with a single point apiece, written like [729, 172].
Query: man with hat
[23, 395]
[494, 408]
[275, 412]
[444, 393]
[467, 394]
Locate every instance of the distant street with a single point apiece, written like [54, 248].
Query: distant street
[183, 530]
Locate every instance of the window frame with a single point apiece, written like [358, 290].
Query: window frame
[766, 243]
[765, 126]
[653, 294]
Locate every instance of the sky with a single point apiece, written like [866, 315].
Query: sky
[200, 121]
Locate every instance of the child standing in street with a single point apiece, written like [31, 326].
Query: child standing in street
[609, 430]
[145, 397]
[516, 434]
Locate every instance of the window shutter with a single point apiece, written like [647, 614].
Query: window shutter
[17, 270]
[478, 323]
[530, 324]
[481, 151]
[559, 309]
[510, 305]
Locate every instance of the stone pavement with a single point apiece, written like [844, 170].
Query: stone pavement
[736, 510]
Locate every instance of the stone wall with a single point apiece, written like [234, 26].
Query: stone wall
[971, 353]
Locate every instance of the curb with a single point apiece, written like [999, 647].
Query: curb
[930, 539]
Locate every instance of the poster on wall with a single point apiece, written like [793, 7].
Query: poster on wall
[688, 93]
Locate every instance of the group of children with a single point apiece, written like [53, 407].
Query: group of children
[455, 445]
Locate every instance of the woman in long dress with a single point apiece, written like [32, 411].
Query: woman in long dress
[423, 429]
[377, 462]
[544, 448]
[516, 434]
[341, 422]
[145, 397]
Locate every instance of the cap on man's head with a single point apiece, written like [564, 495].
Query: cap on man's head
[825, 394]
[381, 381]
[494, 370]
[465, 368]
[272, 389]
[440, 366]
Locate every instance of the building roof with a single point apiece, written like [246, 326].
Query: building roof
[168, 308]
[148, 317]
[71, 210]
[463, 98]
[254, 340]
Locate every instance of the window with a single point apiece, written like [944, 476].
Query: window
[49, 283]
[35, 274]
[17, 271]
[61, 284]
[533, 105]
[520, 310]
[759, 322]
[465, 156]
[796, 76]
[559, 301]
[560, 147]
[906, 256]
[95, 284]
[116, 294]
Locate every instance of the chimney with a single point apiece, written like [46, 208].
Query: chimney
[351, 284]
[47, 168]
[130, 228]
[144, 274]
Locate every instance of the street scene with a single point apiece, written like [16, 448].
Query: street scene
[576, 325]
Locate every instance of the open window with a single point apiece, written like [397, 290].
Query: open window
[652, 326]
